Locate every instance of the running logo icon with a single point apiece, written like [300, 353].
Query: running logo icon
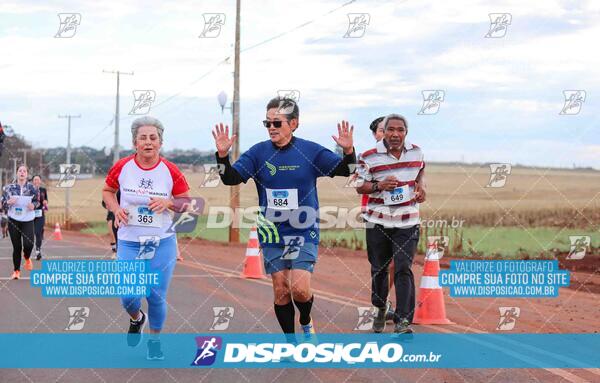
[436, 245]
[291, 94]
[68, 25]
[432, 100]
[223, 315]
[146, 183]
[293, 244]
[579, 245]
[186, 221]
[207, 350]
[366, 317]
[286, 106]
[148, 246]
[508, 318]
[574, 100]
[357, 25]
[77, 317]
[212, 25]
[354, 180]
[212, 175]
[68, 175]
[498, 175]
[499, 23]
[142, 101]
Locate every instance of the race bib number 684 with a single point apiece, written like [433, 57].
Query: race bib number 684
[282, 199]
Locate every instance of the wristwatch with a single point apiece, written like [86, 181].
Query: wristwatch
[374, 186]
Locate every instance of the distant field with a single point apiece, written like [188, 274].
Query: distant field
[530, 197]
[533, 214]
[504, 241]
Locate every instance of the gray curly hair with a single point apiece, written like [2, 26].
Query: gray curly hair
[143, 121]
[394, 116]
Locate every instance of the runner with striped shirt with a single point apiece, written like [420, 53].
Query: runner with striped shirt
[376, 128]
[392, 176]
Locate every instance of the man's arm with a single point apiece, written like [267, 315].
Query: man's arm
[34, 199]
[229, 175]
[420, 187]
[343, 169]
[368, 187]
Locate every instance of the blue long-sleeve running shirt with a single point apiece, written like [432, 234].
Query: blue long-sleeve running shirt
[286, 182]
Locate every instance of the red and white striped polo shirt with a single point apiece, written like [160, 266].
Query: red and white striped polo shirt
[138, 185]
[379, 164]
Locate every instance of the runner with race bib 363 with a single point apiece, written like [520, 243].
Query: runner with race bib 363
[148, 183]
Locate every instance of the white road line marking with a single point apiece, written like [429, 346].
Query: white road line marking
[348, 301]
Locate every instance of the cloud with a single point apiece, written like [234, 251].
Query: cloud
[513, 83]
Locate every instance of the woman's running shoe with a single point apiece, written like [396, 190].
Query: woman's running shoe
[310, 335]
[136, 328]
[154, 351]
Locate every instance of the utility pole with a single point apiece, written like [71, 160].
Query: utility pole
[68, 190]
[24, 150]
[14, 160]
[116, 145]
[41, 163]
[234, 192]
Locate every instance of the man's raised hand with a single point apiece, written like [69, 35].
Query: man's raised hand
[222, 140]
[344, 138]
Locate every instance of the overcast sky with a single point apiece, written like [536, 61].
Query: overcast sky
[502, 96]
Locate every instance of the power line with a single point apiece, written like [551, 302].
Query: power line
[223, 61]
[275, 37]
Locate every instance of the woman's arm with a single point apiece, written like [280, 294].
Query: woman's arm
[109, 195]
[5, 198]
[35, 201]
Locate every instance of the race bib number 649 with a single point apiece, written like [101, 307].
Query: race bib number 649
[397, 196]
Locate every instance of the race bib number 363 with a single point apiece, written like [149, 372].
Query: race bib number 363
[282, 199]
[143, 216]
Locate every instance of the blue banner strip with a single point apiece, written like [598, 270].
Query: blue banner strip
[75, 350]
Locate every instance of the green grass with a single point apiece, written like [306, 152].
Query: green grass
[96, 228]
[503, 241]
[489, 241]
[514, 241]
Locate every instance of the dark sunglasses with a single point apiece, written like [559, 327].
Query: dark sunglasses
[276, 124]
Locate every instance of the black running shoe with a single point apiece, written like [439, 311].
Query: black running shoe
[136, 328]
[379, 320]
[38, 255]
[154, 351]
[389, 314]
[402, 327]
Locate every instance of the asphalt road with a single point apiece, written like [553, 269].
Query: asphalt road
[207, 278]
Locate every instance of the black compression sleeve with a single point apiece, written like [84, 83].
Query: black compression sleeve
[342, 168]
[229, 175]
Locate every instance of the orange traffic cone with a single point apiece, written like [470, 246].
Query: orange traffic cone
[430, 304]
[253, 263]
[57, 232]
